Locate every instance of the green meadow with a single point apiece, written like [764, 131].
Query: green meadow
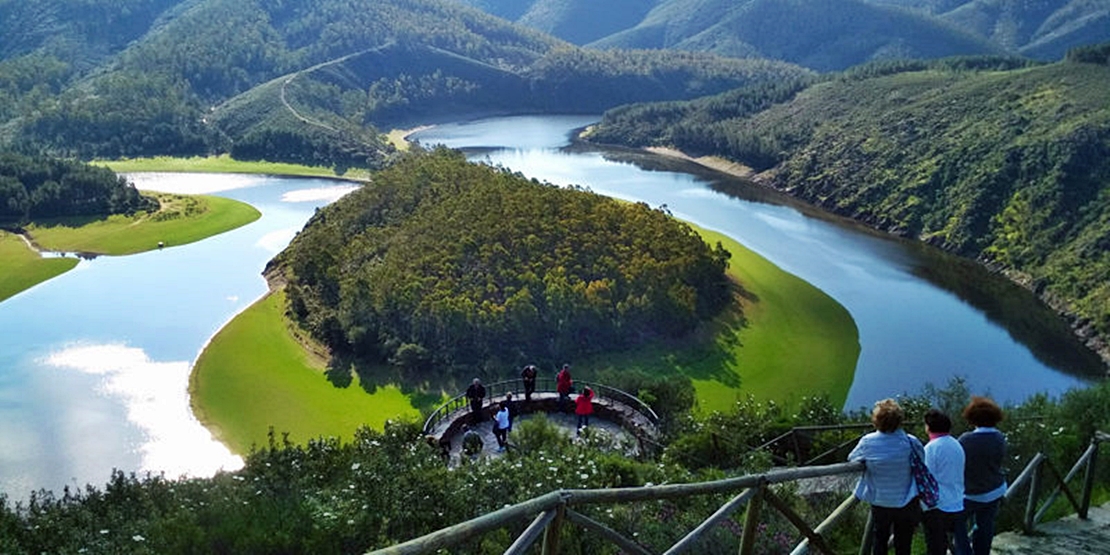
[23, 268]
[182, 219]
[255, 375]
[221, 164]
[791, 341]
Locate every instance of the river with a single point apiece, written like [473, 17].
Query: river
[94, 364]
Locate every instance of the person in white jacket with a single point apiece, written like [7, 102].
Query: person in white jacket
[945, 458]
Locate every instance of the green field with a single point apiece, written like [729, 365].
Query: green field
[23, 268]
[793, 341]
[255, 375]
[182, 219]
[221, 164]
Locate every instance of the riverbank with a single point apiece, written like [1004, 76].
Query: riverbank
[1082, 329]
[281, 385]
[180, 220]
[225, 164]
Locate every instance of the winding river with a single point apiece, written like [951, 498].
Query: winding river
[94, 364]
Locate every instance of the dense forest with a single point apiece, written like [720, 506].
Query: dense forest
[989, 158]
[34, 188]
[444, 264]
[391, 486]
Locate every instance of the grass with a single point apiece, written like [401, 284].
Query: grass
[793, 341]
[255, 375]
[23, 268]
[221, 164]
[182, 219]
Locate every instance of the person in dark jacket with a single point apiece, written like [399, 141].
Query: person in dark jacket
[984, 478]
[476, 393]
[528, 376]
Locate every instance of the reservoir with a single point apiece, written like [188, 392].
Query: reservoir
[923, 316]
[94, 364]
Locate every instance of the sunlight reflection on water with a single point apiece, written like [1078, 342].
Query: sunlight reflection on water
[155, 396]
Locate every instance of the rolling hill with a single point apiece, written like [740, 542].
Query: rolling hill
[820, 34]
[310, 82]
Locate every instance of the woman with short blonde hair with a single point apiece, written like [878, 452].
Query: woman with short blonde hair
[887, 483]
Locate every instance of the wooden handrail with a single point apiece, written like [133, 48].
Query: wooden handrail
[543, 385]
[1035, 472]
[562, 500]
[551, 511]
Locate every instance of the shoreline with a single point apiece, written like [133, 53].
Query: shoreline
[1081, 327]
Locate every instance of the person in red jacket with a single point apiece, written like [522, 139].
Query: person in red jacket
[564, 385]
[584, 407]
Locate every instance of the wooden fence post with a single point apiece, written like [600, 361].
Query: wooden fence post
[554, 528]
[751, 522]
[1029, 522]
[1089, 479]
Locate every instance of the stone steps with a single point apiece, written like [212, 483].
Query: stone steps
[1067, 536]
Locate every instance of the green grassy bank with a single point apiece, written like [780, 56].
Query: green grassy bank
[181, 219]
[793, 341]
[255, 375]
[221, 164]
[23, 268]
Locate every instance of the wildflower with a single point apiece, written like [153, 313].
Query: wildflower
[355, 466]
[103, 531]
[138, 538]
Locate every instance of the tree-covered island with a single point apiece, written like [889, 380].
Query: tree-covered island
[442, 264]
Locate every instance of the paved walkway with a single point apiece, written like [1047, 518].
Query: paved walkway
[1067, 536]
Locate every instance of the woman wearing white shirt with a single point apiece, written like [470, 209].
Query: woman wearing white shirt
[945, 458]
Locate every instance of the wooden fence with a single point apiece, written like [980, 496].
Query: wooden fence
[551, 512]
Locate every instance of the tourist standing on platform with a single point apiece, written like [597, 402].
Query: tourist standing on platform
[984, 478]
[476, 393]
[513, 409]
[887, 483]
[564, 385]
[501, 426]
[945, 458]
[528, 376]
[584, 407]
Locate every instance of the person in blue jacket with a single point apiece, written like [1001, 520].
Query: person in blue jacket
[887, 483]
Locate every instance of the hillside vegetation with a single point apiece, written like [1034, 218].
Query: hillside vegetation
[819, 34]
[445, 265]
[389, 486]
[307, 82]
[1005, 163]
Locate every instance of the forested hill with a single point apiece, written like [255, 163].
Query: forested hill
[821, 34]
[303, 81]
[445, 265]
[1010, 166]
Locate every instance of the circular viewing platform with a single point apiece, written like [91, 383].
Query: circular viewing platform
[614, 410]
